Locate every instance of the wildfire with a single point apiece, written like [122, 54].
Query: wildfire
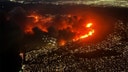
[63, 27]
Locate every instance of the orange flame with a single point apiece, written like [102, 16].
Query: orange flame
[62, 42]
[37, 21]
[87, 35]
[36, 18]
[28, 29]
[89, 25]
[90, 33]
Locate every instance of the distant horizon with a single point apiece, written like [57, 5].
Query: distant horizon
[114, 3]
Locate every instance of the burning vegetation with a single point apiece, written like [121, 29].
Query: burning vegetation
[63, 27]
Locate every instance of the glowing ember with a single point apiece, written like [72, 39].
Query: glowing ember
[84, 36]
[36, 18]
[89, 25]
[87, 35]
[22, 55]
[62, 42]
[28, 29]
[90, 33]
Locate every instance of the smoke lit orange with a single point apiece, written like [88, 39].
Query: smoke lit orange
[36, 21]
